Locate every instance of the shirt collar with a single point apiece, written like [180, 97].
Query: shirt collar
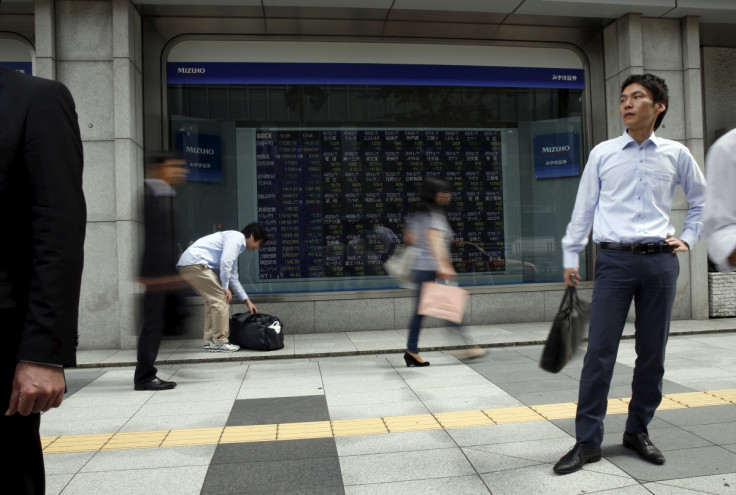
[628, 140]
[160, 187]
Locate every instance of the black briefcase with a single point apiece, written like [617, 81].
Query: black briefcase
[568, 329]
[258, 332]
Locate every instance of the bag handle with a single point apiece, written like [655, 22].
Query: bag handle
[570, 294]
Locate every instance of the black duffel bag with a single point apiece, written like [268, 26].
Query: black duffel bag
[258, 332]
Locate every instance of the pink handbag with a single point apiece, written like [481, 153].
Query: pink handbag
[443, 301]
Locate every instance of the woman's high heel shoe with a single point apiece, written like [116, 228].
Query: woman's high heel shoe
[412, 361]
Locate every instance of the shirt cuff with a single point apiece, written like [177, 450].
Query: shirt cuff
[570, 260]
[42, 364]
[720, 246]
[690, 240]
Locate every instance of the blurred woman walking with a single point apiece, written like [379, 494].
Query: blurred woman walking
[428, 230]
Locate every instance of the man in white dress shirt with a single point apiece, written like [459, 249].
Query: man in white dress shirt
[625, 196]
[197, 265]
[720, 202]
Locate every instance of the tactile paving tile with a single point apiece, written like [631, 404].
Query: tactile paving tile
[556, 411]
[617, 406]
[419, 422]
[194, 436]
[300, 431]
[136, 440]
[463, 419]
[697, 399]
[354, 427]
[669, 404]
[250, 433]
[77, 443]
[727, 395]
[360, 426]
[513, 415]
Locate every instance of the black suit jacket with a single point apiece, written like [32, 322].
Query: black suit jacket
[159, 254]
[42, 218]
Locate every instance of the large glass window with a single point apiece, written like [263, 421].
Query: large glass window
[332, 169]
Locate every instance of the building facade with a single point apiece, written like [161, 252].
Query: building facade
[319, 119]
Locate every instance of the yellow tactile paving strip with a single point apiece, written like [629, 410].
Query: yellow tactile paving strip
[356, 427]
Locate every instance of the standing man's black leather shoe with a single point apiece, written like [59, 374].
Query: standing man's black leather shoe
[643, 446]
[155, 384]
[574, 460]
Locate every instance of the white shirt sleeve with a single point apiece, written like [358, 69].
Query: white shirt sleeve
[720, 202]
[693, 185]
[586, 202]
[229, 277]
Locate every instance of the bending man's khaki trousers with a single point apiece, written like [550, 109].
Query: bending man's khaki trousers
[216, 313]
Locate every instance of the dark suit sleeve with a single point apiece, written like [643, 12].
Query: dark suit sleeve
[57, 213]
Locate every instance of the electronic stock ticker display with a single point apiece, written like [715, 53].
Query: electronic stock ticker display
[334, 201]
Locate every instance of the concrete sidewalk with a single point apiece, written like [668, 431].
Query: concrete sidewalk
[342, 414]
[178, 351]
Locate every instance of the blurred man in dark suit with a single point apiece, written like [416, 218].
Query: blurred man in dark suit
[43, 223]
[158, 265]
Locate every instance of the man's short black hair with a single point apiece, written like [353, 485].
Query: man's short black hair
[656, 86]
[256, 229]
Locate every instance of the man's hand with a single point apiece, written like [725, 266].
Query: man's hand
[680, 245]
[228, 296]
[571, 276]
[36, 388]
[251, 307]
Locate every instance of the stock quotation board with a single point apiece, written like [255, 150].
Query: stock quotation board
[334, 201]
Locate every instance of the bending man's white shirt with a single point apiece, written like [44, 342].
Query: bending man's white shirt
[219, 252]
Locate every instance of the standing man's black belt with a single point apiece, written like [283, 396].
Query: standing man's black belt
[640, 248]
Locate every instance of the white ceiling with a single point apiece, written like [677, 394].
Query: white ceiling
[709, 11]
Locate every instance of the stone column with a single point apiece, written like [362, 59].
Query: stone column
[129, 160]
[45, 20]
[694, 139]
[98, 56]
[669, 48]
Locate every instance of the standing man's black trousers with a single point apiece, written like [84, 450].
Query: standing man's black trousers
[620, 276]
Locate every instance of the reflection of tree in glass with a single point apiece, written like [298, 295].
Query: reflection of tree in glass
[439, 106]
